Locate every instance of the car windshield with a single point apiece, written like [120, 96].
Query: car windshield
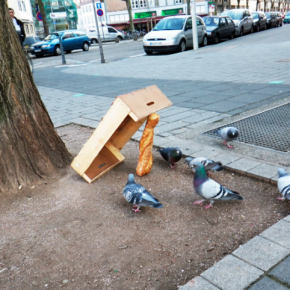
[170, 24]
[235, 15]
[211, 21]
[50, 37]
[255, 15]
[268, 15]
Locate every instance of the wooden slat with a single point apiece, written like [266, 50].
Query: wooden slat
[146, 101]
[111, 121]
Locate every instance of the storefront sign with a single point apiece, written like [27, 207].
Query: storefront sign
[172, 12]
[145, 14]
[58, 15]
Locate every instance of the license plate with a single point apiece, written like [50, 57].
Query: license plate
[37, 50]
[155, 43]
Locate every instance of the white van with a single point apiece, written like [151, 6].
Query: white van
[107, 33]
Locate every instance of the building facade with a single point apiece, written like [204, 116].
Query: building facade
[23, 12]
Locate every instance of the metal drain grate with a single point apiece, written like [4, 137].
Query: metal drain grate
[269, 129]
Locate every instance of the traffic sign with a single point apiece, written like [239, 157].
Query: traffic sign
[100, 12]
[38, 16]
[99, 5]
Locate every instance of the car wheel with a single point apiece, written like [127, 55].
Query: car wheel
[242, 31]
[85, 46]
[182, 46]
[258, 28]
[149, 52]
[216, 39]
[232, 35]
[68, 51]
[120, 38]
[94, 41]
[57, 50]
[39, 55]
[204, 41]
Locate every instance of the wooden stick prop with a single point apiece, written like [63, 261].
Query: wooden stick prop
[145, 147]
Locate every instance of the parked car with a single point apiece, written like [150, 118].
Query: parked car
[218, 27]
[259, 20]
[174, 33]
[242, 19]
[29, 41]
[279, 18]
[271, 19]
[71, 40]
[107, 33]
[287, 18]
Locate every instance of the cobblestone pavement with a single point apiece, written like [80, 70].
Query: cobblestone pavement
[209, 88]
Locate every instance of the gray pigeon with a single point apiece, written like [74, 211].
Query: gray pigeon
[284, 184]
[207, 163]
[138, 195]
[228, 134]
[171, 155]
[210, 189]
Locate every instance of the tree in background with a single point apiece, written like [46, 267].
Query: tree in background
[129, 7]
[30, 148]
[43, 15]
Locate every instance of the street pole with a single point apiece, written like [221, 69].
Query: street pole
[99, 37]
[194, 27]
[61, 48]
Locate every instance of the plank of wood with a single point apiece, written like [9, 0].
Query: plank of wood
[110, 123]
[145, 101]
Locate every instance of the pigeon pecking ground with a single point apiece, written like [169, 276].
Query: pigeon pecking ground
[66, 233]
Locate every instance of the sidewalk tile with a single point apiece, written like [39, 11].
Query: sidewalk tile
[282, 271]
[85, 122]
[231, 273]
[227, 158]
[242, 165]
[198, 283]
[287, 219]
[169, 127]
[267, 284]
[278, 233]
[263, 171]
[261, 253]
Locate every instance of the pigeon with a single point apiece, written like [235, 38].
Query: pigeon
[284, 184]
[228, 134]
[210, 189]
[171, 155]
[207, 163]
[135, 193]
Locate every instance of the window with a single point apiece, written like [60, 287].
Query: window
[23, 6]
[229, 20]
[26, 29]
[19, 6]
[178, 1]
[138, 4]
[198, 22]
[79, 33]
[222, 22]
[112, 30]
[68, 35]
[189, 23]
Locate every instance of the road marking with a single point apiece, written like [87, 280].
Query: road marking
[94, 60]
[142, 54]
[73, 65]
[276, 82]
[35, 64]
[79, 95]
[62, 65]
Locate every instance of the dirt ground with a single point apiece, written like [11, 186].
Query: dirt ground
[64, 233]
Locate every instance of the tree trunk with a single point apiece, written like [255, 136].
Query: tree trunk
[238, 6]
[43, 15]
[30, 149]
[257, 4]
[129, 7]
[188, 7]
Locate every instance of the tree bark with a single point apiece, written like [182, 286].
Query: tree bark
[129, 7]
[43, 15]
[30, 149]
[188, 7]
[238, 6]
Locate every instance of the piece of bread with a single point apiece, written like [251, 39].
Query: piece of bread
[145, 147]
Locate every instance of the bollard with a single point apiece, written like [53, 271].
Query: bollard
[117, 40]
[135, 37]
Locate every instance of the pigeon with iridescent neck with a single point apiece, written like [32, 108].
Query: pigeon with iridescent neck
[228, 134]
[207, 163]
[209, 189]
[284, 184]
[135, 193]
[171, 155]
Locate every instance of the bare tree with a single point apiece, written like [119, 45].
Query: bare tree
[30, 149]
[238, 1]
[188, 7]
[43, 15]
[129, 7]
[257, 5]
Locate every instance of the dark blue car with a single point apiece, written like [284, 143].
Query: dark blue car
[71, 39]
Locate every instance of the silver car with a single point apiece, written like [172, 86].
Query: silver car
[242, 18]
[174, 34]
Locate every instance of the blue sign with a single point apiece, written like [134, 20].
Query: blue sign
[38, 16]
[99, 5]
[100, 12]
